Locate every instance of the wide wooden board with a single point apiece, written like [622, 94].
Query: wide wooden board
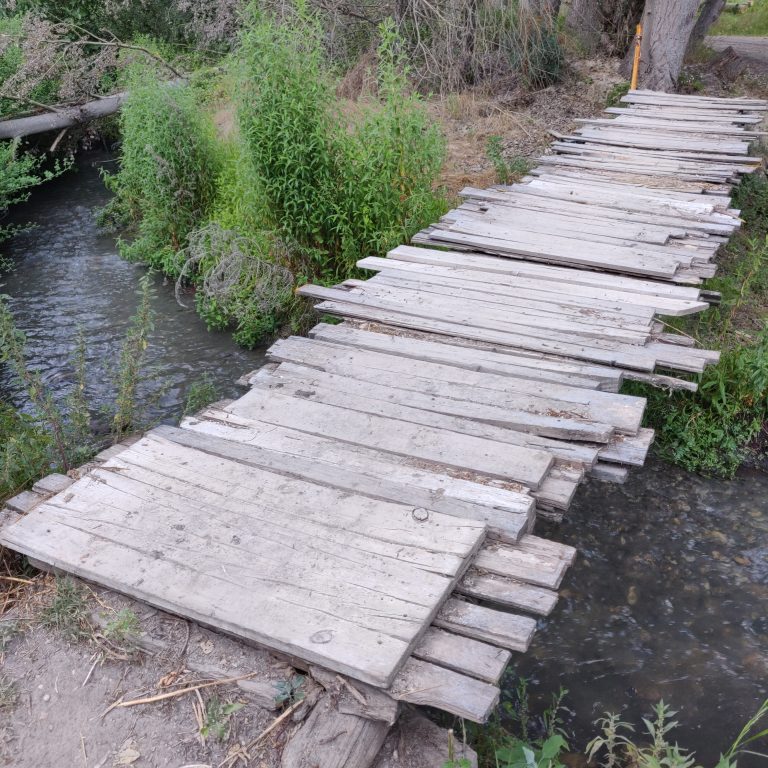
[309, 570]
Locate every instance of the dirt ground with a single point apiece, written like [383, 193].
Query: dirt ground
[523, 120]
[58, 691]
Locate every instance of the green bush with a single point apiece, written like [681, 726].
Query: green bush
[709, 431]
[338, 189]
[712, 430]
[168, 167]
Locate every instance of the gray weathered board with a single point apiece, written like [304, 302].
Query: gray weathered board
[337, 579]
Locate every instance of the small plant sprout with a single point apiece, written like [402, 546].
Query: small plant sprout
[217, 720]
[290, 691]
[67, 611]
[123, 628]
[507, 171]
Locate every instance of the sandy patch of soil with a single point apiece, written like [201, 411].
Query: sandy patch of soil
[521, 119]
[62, 690]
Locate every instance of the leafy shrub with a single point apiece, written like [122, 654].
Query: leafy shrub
[507, 171]
[168, 167]
[710, 430]
[25, 451]
[338, 191]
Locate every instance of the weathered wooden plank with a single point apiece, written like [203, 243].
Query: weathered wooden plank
[138, 529]
[413, 407]
[494, 264]
[501, 628]
[428, 443]
[53, 483]
[463, 654]
[548, 548]
[507, 513]
[507, 592]
[535, 568]
[24, 501]
[621, 411]
[332, 739]
[556, 291]
[429, 685]
[437, 350]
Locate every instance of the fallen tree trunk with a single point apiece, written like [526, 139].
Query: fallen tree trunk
[60, 118]
[69, 117]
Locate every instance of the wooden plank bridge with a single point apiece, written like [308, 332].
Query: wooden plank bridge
[368, 504]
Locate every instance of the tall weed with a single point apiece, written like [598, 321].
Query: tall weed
[337, 188]
[168, 167]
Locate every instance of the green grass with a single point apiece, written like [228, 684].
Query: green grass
[753, 21]
[67, 611]
[714, 430]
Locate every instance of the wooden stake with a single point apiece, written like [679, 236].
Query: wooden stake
[636, 60]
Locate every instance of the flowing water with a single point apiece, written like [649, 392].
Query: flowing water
[68, 276]
[668, 598]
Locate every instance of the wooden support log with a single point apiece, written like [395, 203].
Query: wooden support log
[416, 741]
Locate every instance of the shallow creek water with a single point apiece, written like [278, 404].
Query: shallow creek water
[68, 275]
[668, 598]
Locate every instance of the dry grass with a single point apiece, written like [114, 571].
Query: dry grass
[522, 119]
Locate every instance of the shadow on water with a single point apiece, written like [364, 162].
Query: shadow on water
[68, 275]
[668, 600]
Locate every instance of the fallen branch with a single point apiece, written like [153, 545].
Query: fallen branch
[67, 117]
[174, 694]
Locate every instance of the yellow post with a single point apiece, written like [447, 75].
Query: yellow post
[636, 60]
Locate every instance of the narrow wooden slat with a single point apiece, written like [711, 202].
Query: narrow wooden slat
[429, 685]
[501, 628]
[463, 654]
[509, 593]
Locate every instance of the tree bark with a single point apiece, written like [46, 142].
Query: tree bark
[585, 22]
[667, 28]
[67, 117]
[708, 15]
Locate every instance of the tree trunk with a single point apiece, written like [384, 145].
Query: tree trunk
[585, 22]
[667, 28]
[708, 15]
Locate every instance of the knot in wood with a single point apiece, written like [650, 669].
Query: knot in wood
[322, 637]
[420, 514]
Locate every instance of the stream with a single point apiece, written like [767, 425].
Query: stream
[69, 276]
[668, 598]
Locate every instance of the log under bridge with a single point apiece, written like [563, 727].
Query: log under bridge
[368, 505]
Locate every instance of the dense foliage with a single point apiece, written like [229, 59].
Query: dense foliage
[715, 429]
[338, 190]
[168, 169]
[297, 191]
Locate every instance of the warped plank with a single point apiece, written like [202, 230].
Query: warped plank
[428, 443]
[507, 513]
[463, 654]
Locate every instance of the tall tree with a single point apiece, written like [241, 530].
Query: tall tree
[708, 15]
[667, 28]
